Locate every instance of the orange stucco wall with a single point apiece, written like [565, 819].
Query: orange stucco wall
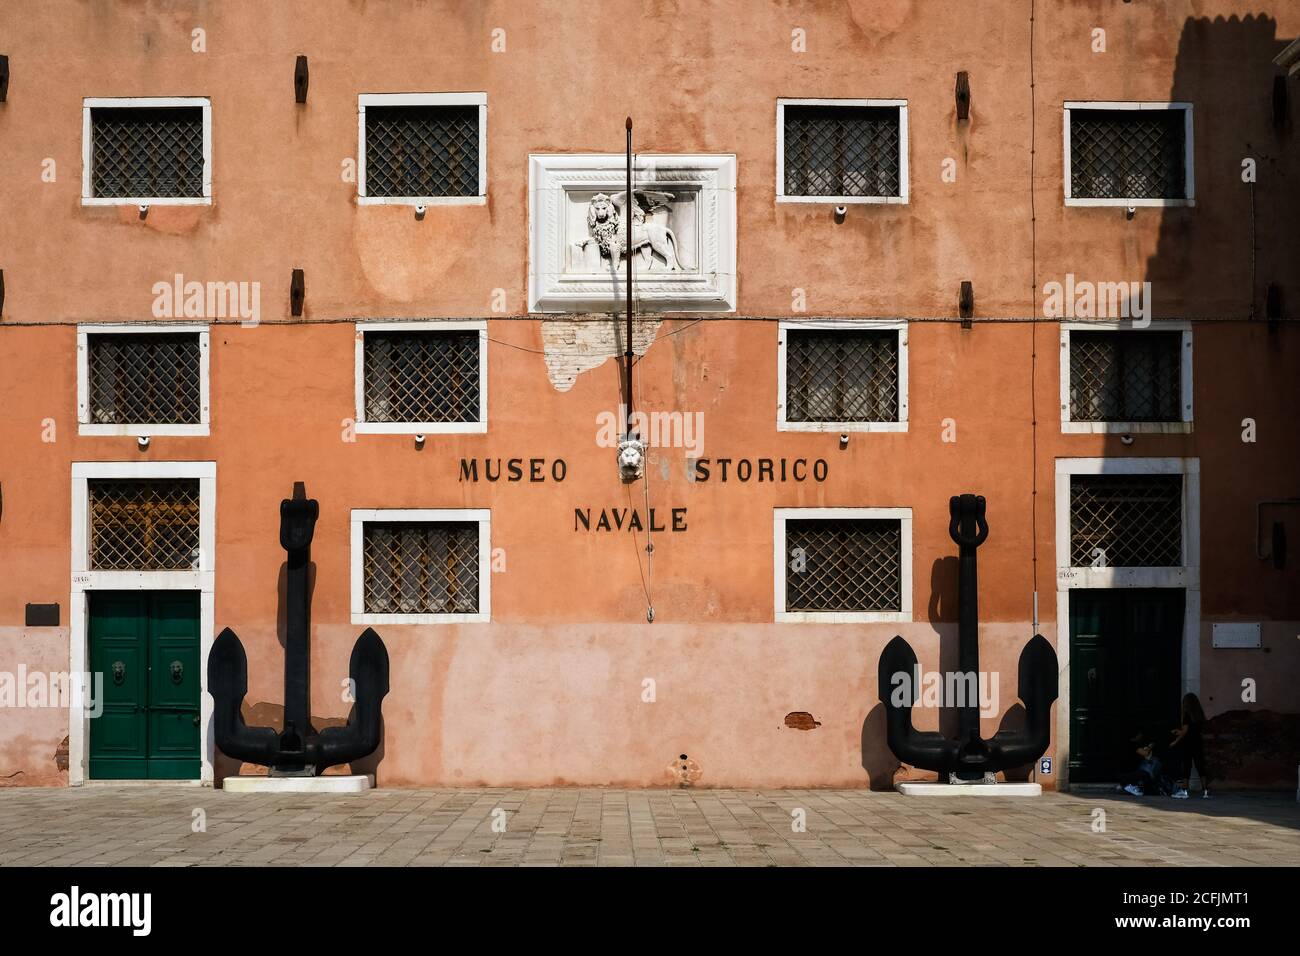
[551, 690]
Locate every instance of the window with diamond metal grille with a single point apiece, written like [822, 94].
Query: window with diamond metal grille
[146, 152]
[1126, 376]
[841, 376]
[144, 525]
[843, 564]
[422, 377]
[429, 567]
[414, 151]
[1126, 521]
[144, 379]
[842, 151]
[1127, 154]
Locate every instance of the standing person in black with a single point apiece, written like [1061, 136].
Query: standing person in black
[1188, 746]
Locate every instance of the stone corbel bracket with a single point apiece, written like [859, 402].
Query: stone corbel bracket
[704, 211]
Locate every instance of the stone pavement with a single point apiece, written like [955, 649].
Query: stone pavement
[101, 825]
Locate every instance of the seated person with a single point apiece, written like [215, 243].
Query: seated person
[1147, 774]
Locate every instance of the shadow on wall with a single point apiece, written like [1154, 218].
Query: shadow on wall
[1239, 240]
[1240, 236]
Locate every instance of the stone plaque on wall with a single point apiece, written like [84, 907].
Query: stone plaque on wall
[683, 210]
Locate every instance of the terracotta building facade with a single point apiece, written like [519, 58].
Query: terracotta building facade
[884, 254]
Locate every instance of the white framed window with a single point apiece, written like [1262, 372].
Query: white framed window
[415, 378]
[421, 565]
[422, 149]
[146, 151]
[848, 375]
[149, 379]
[1127, 522]
[1129, 154]
[842, 565]
[841, 151]
[1117, 379]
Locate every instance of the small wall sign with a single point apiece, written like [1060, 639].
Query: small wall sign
[1235, 635]
[1045, 765]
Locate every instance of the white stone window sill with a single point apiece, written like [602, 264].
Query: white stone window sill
[152, 431]
[1127, 203]
[842, 617]
[846, 200]
[422, 200]
[1126, 428]
[418, 428]
[835, 427]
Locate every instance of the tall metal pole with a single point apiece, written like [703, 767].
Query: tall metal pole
[628, 206]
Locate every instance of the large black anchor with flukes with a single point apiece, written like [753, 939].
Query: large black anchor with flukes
[969, 756]
[298, 750]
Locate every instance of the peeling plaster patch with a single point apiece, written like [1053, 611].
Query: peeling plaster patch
[574, 346]
[61, 755]
[801, 720]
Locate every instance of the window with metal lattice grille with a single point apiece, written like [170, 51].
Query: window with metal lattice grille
[843, 564]
[421, 567]
[1134, 154]
[853, 150]
[144, 379]
[144, 524]
[140, 150]
[429, 379]
[842, 376]
[1126, 521]
[1126, 376]
[423, 147]
[133, 380]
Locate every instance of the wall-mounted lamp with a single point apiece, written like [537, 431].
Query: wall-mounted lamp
[844, 441]
[143, 442]
[419, 441]
[963, 95]
[1281, 103]
[966, 303]
[419, 212]
[297, 292]
[4, 77]
[1130, 212]
[1126, 439]
[300, 79]
[144, 209]
[1273, 305]
[840, 213]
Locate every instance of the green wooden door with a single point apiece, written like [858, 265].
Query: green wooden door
[1125, 675]
[146, 644]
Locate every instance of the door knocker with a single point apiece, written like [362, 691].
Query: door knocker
[178, 672]
[119, 672]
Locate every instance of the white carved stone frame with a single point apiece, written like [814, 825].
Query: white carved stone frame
[709, 285]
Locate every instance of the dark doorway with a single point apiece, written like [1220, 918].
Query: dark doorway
[1125, 675]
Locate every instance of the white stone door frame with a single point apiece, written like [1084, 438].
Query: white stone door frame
[1187, 577]
[85, 580]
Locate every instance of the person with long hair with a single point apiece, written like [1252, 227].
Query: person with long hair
[1189, 745]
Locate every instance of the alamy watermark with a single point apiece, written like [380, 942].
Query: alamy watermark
[655, 429]
[37, 689]
[1084, 299]
[179, 299]
[950, 689]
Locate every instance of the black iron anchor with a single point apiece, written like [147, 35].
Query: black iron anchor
[969, 756]
[299, 749]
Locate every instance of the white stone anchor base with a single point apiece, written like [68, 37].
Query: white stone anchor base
[354, 783]
[969, 789]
